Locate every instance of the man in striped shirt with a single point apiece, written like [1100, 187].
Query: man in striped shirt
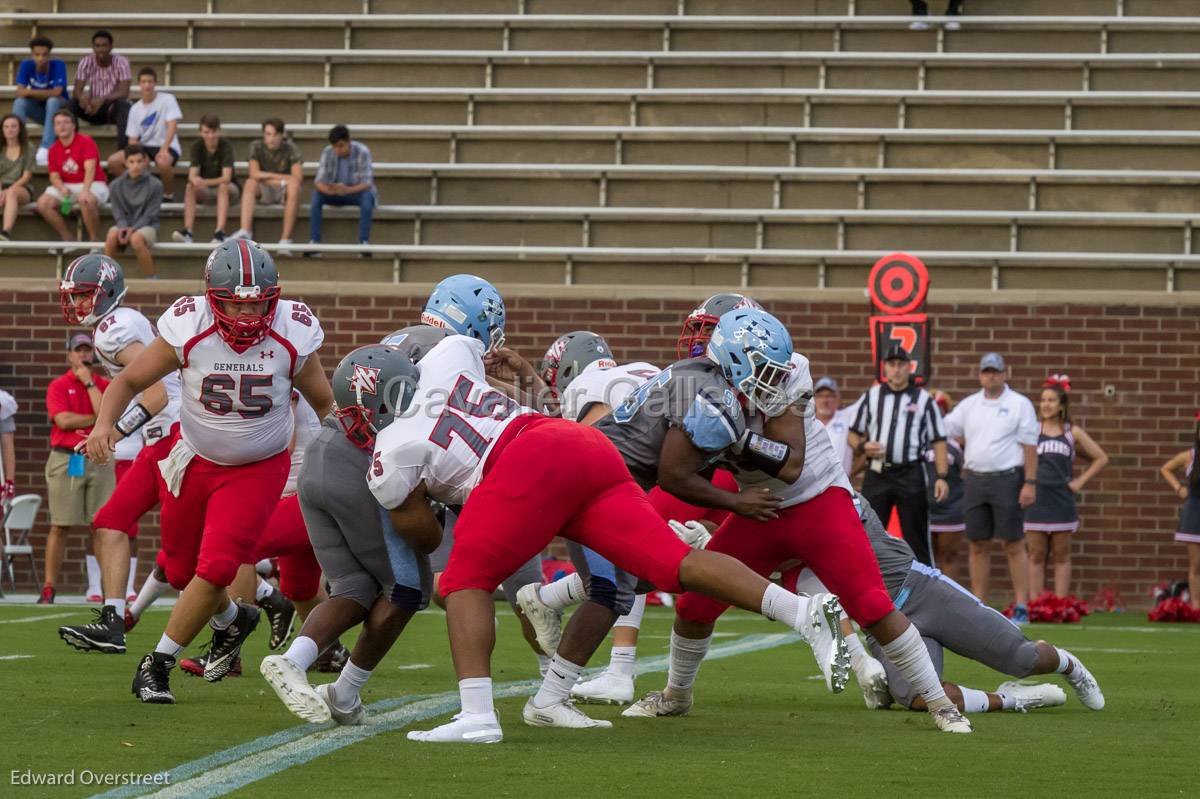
[101, 94]
[897, 422]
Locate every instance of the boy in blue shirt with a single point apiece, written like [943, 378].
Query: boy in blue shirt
[41, 91]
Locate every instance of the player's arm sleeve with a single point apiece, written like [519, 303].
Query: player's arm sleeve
[451, 357]
[178, 325]
[304, 331]
[711, 425]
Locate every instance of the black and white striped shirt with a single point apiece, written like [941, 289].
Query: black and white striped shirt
[905, 422]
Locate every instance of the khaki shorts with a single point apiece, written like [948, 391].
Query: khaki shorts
[99, 190]
[208, 194]
[148, 233]
[272, 194]
[74, 500]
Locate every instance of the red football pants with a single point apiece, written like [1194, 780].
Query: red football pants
[552, 477]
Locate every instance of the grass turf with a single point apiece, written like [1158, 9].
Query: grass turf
[763, 724]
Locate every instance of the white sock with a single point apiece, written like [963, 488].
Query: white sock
[263, 590]
[563, 593]
[779, 604]
[152, 589]
[119, 604]
[909, 654]
[475, 693]
[303, 652]
[560, 678]
[976, 701]
[1007, 701]
[93, 574]
[348, 685]
[168, 647]
[633, 619]
[223, 618]
[132, 575]
[621, 661]
[263, 567]
[543, 664]
[1065, 662]
[858, 653]
[686, 654]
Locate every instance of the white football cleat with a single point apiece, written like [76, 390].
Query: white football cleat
[546, 621]
[607, 689]
[872, 679]
[660, 703]
[473, 728]
[950, 719]
[821, 626]
[1085, 685]
[353, 717]
[292, 688]
[1030, 697]
[561, 714]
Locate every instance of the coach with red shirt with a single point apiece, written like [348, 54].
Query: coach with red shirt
[76, 179]
[76, 488]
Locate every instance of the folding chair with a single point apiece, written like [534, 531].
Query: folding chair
[19, 519]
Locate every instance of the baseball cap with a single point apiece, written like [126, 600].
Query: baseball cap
[826, 383]
[79, 340]
[897, 353]
[992, 360]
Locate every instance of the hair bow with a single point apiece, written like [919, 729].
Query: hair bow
[1063, 381]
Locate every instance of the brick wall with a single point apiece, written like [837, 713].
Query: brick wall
[1148, 354]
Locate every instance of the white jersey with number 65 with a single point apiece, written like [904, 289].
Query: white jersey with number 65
[447, 432]
[236, 406]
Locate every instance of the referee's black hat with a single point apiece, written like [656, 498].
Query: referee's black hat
[897, 353]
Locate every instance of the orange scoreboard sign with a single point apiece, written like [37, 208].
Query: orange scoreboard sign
[898, 285]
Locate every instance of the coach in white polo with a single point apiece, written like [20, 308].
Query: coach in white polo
[999, 429]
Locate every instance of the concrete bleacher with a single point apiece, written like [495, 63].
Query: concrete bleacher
[752, 142]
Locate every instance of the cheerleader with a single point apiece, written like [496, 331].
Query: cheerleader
[1189, 516]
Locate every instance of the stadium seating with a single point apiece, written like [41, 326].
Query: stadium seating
[743, 142]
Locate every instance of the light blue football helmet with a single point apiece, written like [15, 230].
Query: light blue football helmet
[754, 351]
[469, 306]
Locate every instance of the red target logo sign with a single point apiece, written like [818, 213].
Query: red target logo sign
[898, 284]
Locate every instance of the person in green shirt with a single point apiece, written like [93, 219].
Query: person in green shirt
[16, 171]
[210, 177]
[275, 176]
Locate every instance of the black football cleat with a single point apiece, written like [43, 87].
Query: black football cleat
[195, 666]
[105, 633]
[281, 613]
[332, 660]
[227, 644]
[152, 682]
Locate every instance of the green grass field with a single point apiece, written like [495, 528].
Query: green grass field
[763, 724]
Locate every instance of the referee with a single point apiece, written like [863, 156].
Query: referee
[896, 423]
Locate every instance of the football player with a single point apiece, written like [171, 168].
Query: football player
[91, 293]
[816, 523]
[512, 471]
[375, 578]
[240, 349]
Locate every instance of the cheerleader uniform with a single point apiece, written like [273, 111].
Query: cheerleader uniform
[1054, 509]
[1189, 516]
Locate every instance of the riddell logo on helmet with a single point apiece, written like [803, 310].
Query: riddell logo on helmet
[364, 380]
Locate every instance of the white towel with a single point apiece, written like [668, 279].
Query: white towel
[175, 465]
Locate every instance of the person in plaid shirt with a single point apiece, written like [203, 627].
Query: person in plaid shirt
[344, 177]
[101, 94]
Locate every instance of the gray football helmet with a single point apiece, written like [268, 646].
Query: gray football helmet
[92, 286]
[371, 386]
[570, 354]
[240, 271]
[415, 341]
[698, 326]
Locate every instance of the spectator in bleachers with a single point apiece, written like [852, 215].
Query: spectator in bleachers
[154, 124]
[275, 174]
[920, 8]
[210, 176]
[16, 171]
[344, 177]
[136, 198]
[101, 93]
[76, 176]
[76, 487]
[41, 91]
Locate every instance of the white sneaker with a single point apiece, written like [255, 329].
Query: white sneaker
[546, 621]
[353, 717]
[43, 156]
[1029, 697]
[1085, 685]
[283, 248]
[658, 703]
[949, 719]
[561, 714]
[292, 688]
[242, 233]
[181, 237]
[609, 688]
[918, 26]
[953, 26]
[821, 626]
[473, 728]
[872, 679]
